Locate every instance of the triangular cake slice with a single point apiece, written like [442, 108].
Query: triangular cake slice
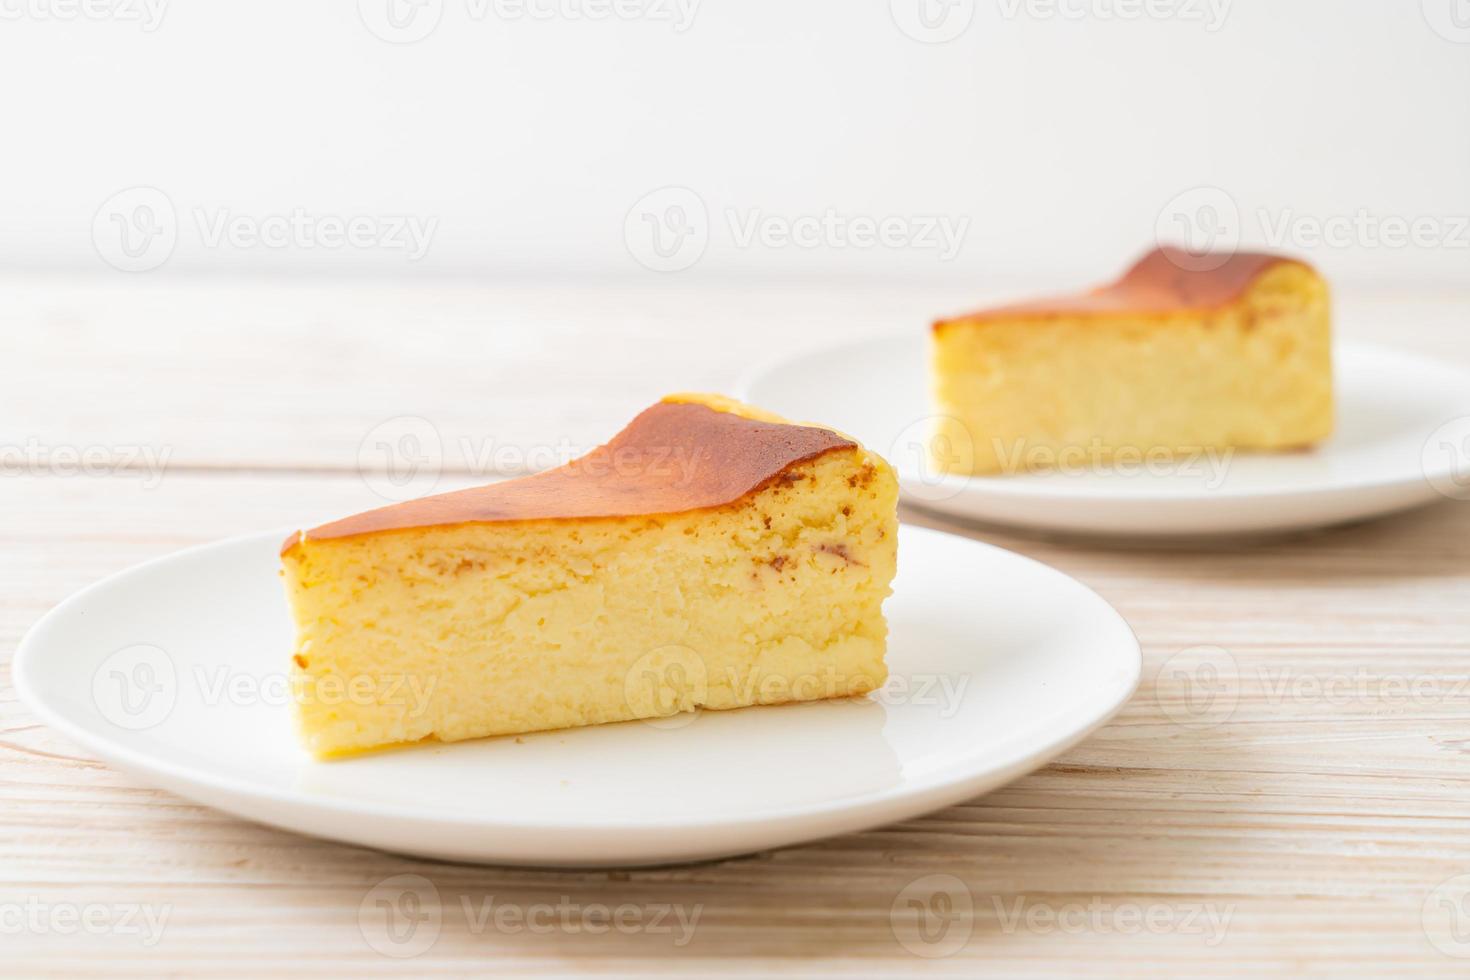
[711, 555]
[1186, 353]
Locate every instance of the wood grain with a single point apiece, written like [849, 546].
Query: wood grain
[1309, 810]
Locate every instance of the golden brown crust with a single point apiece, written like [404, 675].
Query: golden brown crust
[1166, 280]
[672, 458]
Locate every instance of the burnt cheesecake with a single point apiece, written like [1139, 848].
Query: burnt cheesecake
[710, 555]
[1184, 353]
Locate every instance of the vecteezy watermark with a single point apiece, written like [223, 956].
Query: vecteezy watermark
[675, 920]
[938, 451]
[1363, 229]
[1198, 687]
[942, 692]
[669, 229]
[404, 457]
[1201, 687]
[300, 229]
[407, 21]
[933, 916]
[667, 687]
[400, 21]
[401, 458]
[403, 916]
[1446, 459]
[33, 458]
[940, 233]
[1445, 917]
[1450, 19]
[932, 21]
[137, 229]
[1208, 464]
[410, 693]
[146, 14]
[1103, 916]
[1281, 685]
[1211, 14]
[138, 687]
[678, 14]
[1206, 222]
[36, 917]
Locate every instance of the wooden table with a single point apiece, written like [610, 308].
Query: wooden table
[1303, 831]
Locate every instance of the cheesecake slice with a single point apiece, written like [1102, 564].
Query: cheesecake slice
[710, 556]
[1186, 353]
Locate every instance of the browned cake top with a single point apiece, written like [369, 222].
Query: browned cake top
[1165, 280]
[674, 457]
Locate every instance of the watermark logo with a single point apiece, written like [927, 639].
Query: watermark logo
[408, 21]
[1446, 459]
[410, 692]
[1101, 916]
[1362, 687]
[1211, 13]
[932, 21]
[930, 450]
[667, 230]
[667, 687]
[35, 917]
[147, 14]
[401, 916]
[404, 457]
[571, 917]
[1206, 225]
[1198, 687]
[933, 916]
[400, 21]
[945, 693]
[1207, 464]
[300, 229]
[136, 687]
[1445, 917]
[940, 233]
[1450, 19]
[1363, 229]
[1205, 221]
[135, 229]
[678, 13]
[401, 458]
[33, 458]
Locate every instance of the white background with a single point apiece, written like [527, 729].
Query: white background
[1060, 133]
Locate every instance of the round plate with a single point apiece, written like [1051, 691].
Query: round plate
[1383, 457]
[175, 671]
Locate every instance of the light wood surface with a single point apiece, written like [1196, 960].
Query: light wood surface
[1298, 827]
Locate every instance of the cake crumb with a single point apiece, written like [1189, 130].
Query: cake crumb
[840, 550]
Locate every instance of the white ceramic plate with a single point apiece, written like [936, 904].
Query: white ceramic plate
[174, 671]
[1403, 439]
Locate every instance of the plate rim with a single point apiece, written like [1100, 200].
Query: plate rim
[911, 798]
[1002, 487]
